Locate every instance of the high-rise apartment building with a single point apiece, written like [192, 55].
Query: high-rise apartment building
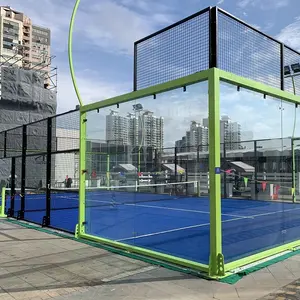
[23, 44]
[196, 138]
[230, 132]
[135, 129]
[117, 129]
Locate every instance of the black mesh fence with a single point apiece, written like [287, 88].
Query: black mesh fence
[65, 132]
[175, 52]
[2, 144]
[36, 159]
[14, 142]
[291, 84]
[37, 137]
[247, 52]
[213, 38]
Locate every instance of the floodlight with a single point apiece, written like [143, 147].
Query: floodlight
[137, 107]
[287, 70]
[296, 67]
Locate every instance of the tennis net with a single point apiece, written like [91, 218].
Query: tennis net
[68, 198]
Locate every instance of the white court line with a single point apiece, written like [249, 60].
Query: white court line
[174, 230]
[202, 225]
[186, 210]
[273, 213]
[199, 211]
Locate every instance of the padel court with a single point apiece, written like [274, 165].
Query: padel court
[170, 224]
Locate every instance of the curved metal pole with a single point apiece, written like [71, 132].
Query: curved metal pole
[70, 55]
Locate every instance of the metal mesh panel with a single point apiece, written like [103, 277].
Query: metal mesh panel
[18, 180]
[245, 52]
[35, 183]
[2, 144]
[14, 142]
[291, 57]
[65, 131]
[177, 52]
[37, 137]
[64, 175]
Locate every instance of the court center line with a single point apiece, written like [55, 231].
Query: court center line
[174, 230]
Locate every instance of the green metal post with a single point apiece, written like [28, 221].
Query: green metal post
[293, 172]
[216, 259]
[82, 161]
[2, 207]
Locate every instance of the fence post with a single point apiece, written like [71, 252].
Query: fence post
[46, 221]
[11, 210]
[23, 172]
[216, 258]
[213, 37]
[282, 66]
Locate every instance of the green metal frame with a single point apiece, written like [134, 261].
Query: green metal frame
[217, 267]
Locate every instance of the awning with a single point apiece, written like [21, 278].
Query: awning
[240, 166]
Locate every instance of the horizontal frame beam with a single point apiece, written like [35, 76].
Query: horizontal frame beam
[157, 89]
[258, 87]
[153, 254]
[262, 255]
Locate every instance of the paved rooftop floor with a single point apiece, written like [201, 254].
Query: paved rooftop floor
[37, 265]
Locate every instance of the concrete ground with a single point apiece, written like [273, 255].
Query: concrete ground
[37, 265]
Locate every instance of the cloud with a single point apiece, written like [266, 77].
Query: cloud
[290, 34]
[99, 31]
[220, 2]
[263, 4]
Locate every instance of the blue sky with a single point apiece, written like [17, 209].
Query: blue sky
[105, 31]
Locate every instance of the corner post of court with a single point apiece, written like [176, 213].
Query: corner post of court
[82, 162]
[48, 172]
[216, 259]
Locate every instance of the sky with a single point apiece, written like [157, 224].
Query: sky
[105, 31]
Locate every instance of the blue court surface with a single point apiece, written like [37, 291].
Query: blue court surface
[177, 226]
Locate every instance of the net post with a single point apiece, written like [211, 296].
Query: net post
[175, 163]
[2, 207]
[216, 259]
[255, 170]
[80, 229]
[48, 172]
[224, 173]
[23, 172]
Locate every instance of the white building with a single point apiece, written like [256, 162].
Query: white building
[196, 138]
[136, 129]
[117, 129]
[230, 132]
